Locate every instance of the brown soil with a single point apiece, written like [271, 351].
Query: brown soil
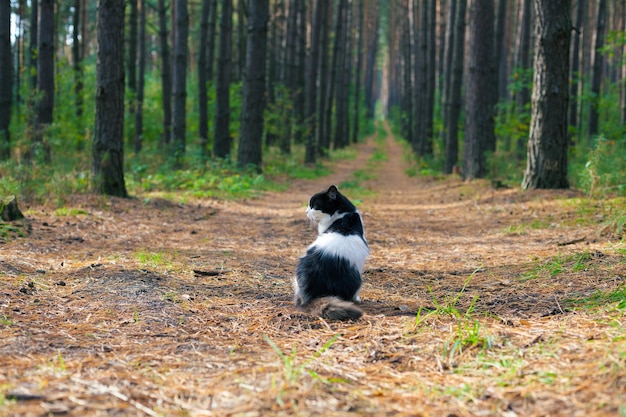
[147, 306]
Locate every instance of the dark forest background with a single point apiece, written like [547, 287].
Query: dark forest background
[218, 97]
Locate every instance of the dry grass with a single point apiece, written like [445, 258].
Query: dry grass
[474, 299]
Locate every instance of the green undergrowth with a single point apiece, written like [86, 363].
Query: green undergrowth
[154, 173]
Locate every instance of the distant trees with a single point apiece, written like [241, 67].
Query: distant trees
[488, 121]
[445, 66]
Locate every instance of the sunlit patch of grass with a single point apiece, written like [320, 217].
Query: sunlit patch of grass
[153, 259]
[556, 265]
[5, 321]
[599, 298]
[515, 230]
[69, 212]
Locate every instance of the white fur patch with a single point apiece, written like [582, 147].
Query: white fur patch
[324, 220]
[351, 247]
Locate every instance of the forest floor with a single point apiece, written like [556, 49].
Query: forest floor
[478, 302]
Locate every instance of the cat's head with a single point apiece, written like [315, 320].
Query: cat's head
[325, 204]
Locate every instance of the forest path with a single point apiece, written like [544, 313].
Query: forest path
[174, 304]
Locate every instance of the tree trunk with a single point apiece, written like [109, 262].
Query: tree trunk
[77, 58]
[108, 143]
[499, 50]
[132, 48]
[6, 85]
[372, 50]
[166, 74]
[419, 68]
[479, 128]
[241, 40]
[211, 39]
[574, 64]
[358, 72]
[299, 105]
[407, 90]
[131, 64]
[250, 151]
[340, 139]
[431, 80]
[140, 76]
[623, 77]
[311, 83]
[447, 61]
[597, 62]
[522, 96]
[454, 110]
[34, 43]
[179, 114]
[45, 78]
[203, 115]
[333, 72]
[322, 84]
[222, 140]
[547, 143]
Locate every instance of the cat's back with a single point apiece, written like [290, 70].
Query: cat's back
[347, 224]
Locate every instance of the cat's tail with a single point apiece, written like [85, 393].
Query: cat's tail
[332, 308]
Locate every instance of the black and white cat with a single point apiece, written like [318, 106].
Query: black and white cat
[328, 276]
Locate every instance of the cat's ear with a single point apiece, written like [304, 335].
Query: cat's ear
[332, 192]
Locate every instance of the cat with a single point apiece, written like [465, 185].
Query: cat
[328, 276]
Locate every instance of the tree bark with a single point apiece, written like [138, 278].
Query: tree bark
[166, 74]
[431, 81]
[6, 76]
[597, 62]
[179, 114]
[311, 83]
[77, 58]
[241, 40]
[522, 96]
[479, 127]
[45, 78]
[358, 72]
[141, 47]
[132, 47]
[34, 43]
[547, 143]
[322, 84]
[108, 143]
[250, 150]
[203, 115]
[211, 39]
[222, 140]
[325, 139]
[575, 64]
[372, 50]
[341, 136]
[407, 90]
[454, 110]
[299, 105]
[499, 56]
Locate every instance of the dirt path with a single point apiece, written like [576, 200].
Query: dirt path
[145, 306]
